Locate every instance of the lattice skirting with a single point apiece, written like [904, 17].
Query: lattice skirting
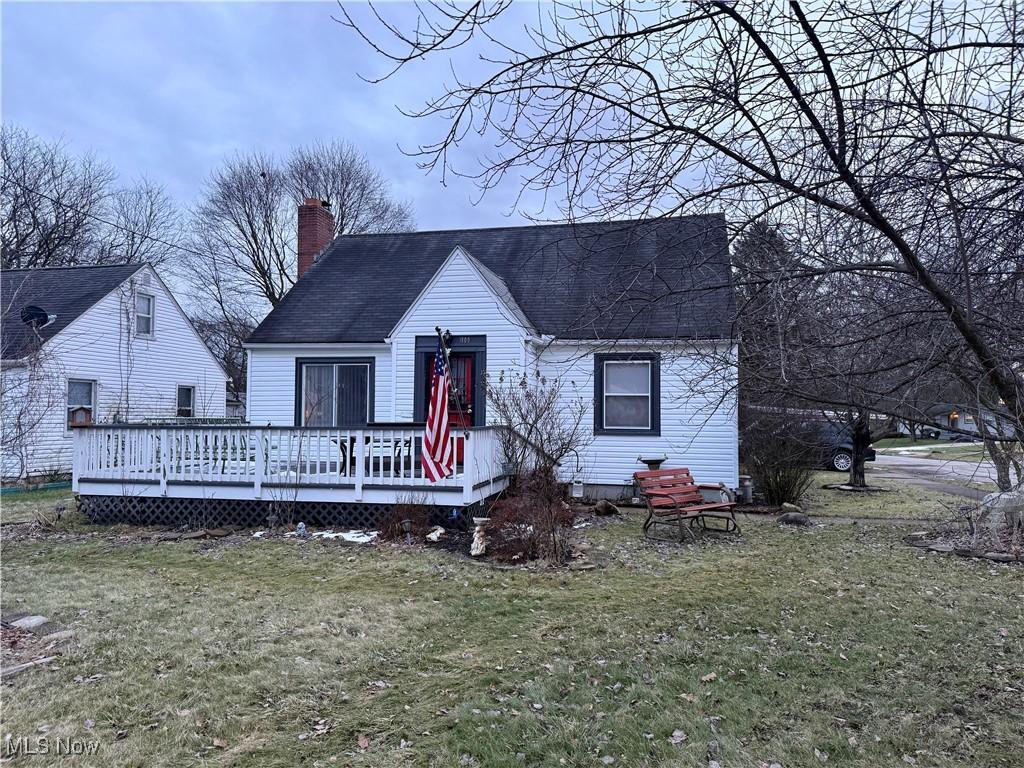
[248, 513]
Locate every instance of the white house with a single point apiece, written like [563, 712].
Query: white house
[93, 345]
[632, 318]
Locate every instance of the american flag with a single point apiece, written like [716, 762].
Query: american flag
[437, 458]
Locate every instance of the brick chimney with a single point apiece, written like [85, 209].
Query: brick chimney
[316, 230]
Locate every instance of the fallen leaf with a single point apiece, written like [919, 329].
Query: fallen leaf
[364, 743]
[710, 677]
[220, 743]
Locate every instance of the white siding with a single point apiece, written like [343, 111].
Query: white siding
[698, 416]
[271, 391]
[135, 377]
[457, 299]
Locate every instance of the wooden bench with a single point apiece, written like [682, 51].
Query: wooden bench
[674, 499]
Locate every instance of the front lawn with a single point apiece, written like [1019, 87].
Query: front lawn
[780, 645]
[24, 506]
[898, 501]
[906, 442]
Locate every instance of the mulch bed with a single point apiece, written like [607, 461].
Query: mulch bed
[454, 541]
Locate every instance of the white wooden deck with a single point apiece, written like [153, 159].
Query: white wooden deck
[371, 465]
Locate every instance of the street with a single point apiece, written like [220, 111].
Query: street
[946, 476]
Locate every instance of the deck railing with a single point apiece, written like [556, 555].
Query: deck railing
[278, 456]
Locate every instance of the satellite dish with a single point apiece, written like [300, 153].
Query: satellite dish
[36, 317]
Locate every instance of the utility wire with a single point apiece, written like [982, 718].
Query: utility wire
[185, 249]
[100, 219]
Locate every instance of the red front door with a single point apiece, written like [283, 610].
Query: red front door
[460, 405]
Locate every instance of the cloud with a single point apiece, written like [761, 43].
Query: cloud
[166, 90]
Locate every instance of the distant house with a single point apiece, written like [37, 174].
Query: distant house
[632, 318]
[93, 345]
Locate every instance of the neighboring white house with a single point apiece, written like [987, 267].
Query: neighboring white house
[633, 318]
[95, 344]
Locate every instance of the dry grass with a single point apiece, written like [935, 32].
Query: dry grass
[22, 507]
[899, 501]
[837, 639]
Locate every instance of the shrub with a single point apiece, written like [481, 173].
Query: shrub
[418, 515]
[779, 453]
[532, 524]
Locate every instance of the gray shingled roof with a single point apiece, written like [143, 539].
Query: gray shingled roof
[64, 291]
[663, 278]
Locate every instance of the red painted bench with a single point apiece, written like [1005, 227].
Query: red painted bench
[674, 499]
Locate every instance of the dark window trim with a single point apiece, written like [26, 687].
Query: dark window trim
[654, 359]
[151, 315]
[426, 346]
[177, 399]
[67, 400]
[371, 376]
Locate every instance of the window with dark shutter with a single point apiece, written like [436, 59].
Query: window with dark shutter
[627, 394]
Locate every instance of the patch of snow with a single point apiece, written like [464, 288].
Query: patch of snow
[353, 536]
[259, 534]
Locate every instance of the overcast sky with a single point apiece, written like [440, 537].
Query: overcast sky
[166, 90]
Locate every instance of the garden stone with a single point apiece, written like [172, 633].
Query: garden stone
[604, 508]
[793, 518]
[787, 507]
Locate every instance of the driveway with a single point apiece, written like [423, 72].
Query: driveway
[936, 474]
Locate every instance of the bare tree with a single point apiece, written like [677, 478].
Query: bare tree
[49, 202]
[359, 195]
[145, 226]
[244, 226]
[59, 210]
[224, 335]
[31, 381]
[544, 419]
[886, 136]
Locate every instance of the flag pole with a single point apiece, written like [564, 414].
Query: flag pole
[451, 379]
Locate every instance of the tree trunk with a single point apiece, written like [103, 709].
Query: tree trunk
[1001, 459]
[861, 434]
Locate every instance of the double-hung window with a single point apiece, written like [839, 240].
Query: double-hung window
[334, 393]
[81, 402]
[186, 401]
[627, 394]
[144, 314]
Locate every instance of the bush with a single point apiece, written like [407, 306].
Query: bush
[779, 454]
[534, 523]
[418, 515]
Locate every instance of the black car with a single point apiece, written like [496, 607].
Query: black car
[836, 447]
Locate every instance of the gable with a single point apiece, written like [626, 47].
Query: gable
[66, 292]
[463, 286]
